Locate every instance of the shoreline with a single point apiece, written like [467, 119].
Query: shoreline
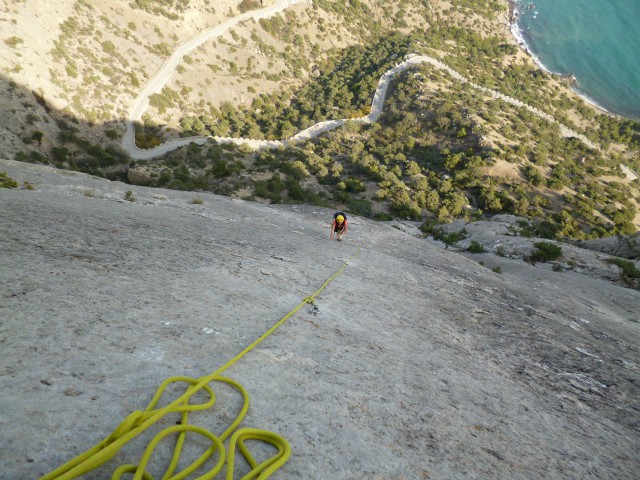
[520, 40]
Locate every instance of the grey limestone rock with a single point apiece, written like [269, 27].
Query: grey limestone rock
[415, 362]
[624, 246]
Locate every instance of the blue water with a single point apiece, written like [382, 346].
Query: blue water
[598, 41]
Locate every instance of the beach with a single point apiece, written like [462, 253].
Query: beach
[518, 35]
[592, 46]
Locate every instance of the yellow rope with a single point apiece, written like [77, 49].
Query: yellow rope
[138, 421]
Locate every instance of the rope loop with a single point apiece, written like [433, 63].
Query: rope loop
[129, 423]
[268, 466]
[140, 472]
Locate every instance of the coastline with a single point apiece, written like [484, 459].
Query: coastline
[518, 35]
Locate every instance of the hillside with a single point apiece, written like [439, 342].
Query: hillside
[418, 362]
[443, 149]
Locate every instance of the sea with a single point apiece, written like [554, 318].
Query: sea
[596, 41]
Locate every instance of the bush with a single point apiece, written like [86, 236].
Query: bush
[448, 238]
[247, 5]
[546, 229]
[13, 42]
[354, 185]
[270, 189]
[382, 216]
[544, 252]
[475, 247]
[219, 168]
[360, 206]
[409, 211]
[295, 190]
[6, 181]
[130, 196]
[628, 268]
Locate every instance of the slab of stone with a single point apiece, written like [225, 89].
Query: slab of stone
[417, 363]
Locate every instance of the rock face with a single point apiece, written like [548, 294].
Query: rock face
[625, 246]
[501, 236]
[417, 363]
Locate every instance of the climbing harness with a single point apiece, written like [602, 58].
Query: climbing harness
[138, 421]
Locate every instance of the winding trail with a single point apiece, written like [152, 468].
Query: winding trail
[157, 82]
[160, 78]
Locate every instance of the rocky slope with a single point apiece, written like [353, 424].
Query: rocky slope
[418, 363]
[510, 236]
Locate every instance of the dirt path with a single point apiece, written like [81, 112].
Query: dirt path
[158, 81]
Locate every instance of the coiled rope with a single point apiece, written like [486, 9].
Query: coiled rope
[138, 421]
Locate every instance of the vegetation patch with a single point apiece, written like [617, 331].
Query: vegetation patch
[449, 239]
[627, 267]
[544, 252]
[130, 196]
[6, 181]
[629, 273]
[475, 247]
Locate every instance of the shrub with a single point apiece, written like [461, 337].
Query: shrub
[197, 201]
[628, 268]
[496, 270]
[534, 176]
[295, 190]
[130, 196]
[382, 216]
[270, 189]
[544, 251]
[354, 185]
[112, 134]
[475, 247]
[546, 229]
[6, 181]
[360, 206]
[245, 148]
[247, 5]
[13, 42]
[428, 227]
[404, 208]
[525, 229]
[448, 238]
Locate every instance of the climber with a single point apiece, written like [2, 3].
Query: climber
[339, 225]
